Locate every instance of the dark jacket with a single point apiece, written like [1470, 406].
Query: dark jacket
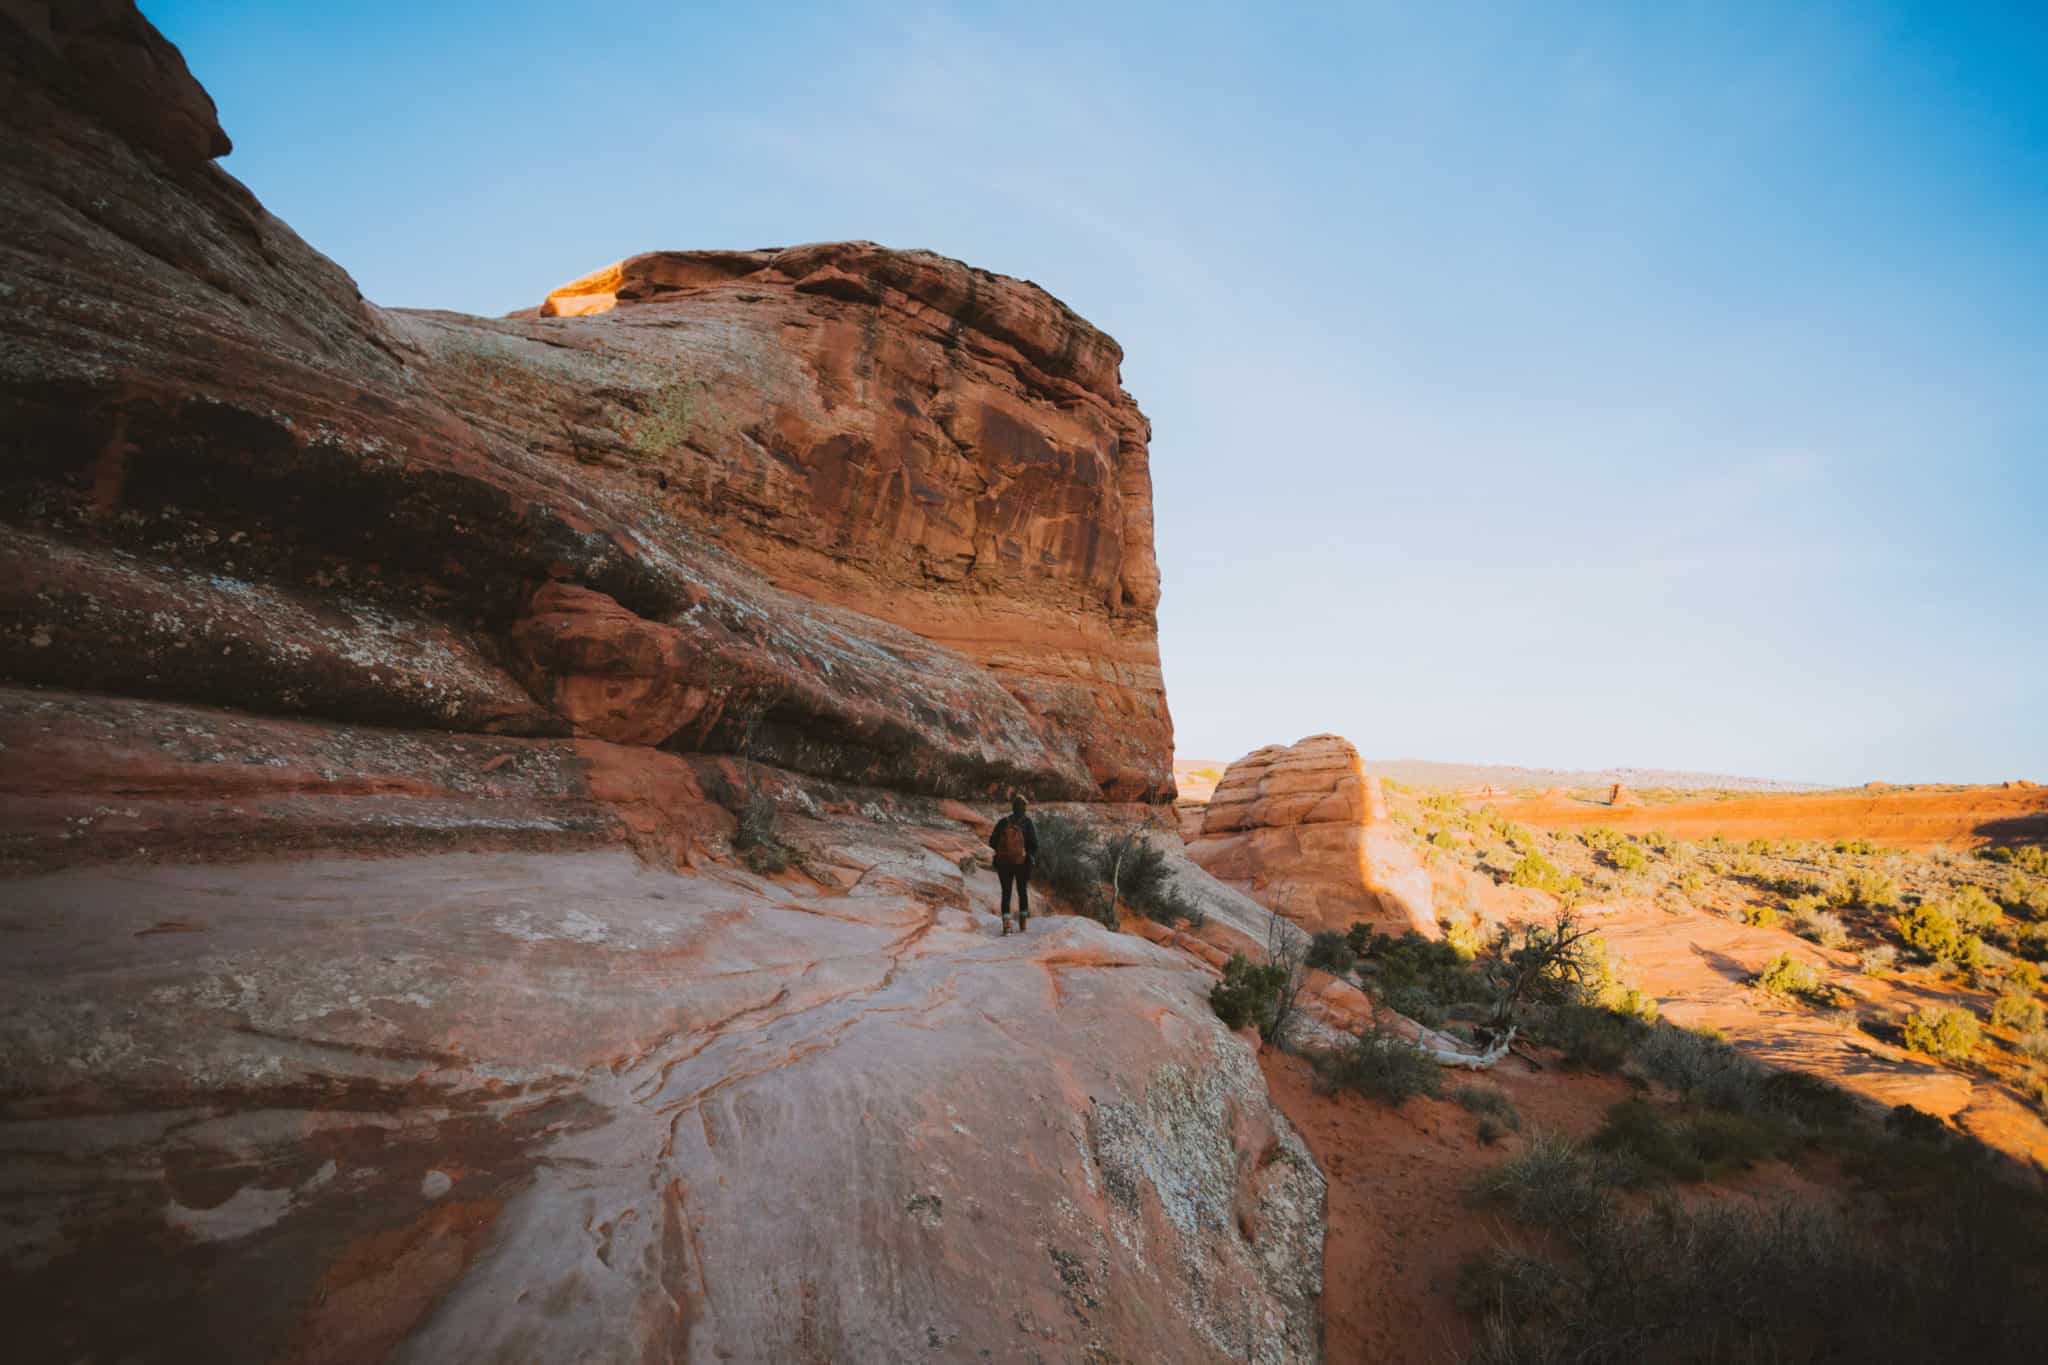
[1030, 836]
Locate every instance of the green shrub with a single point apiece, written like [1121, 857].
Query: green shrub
[1703, 1067]
[1491, 1104]
[1787, 976]
[1539, 873]
[1951, 1034]
[1916, 1125]
[1626, 857]
[1552, 1182]
[1878, 960]
[1464, 937]
[1818, 926]
[1069, 861]
[1330, 952]
[1249, 992]
[1593, 1038]
[1931, 931]
[2022, 895]
[1650, 1148]
[1383, 1065]
[1140, 874]
[1861, 888]
[2018, 1010]
[1760, 916]
[2034, 1044]
[1974, 911]
[2032, 859]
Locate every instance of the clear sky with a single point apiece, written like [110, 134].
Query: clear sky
[1659, 384]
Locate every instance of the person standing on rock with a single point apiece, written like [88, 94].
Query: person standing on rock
[1015, 842]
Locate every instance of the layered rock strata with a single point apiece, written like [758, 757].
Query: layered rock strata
[872, 515]
[1303, 831]
[385, 698]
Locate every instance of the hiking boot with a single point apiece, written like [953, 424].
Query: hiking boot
[1006, 925]
[1022, 920]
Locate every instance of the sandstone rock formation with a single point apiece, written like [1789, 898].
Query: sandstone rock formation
[383, 695]
[871, 515]
[1619, 795]
[1302, 830]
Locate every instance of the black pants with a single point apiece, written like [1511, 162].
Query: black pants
[1019, 877]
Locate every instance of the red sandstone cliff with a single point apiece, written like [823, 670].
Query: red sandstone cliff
[287, 580]
[864, 514]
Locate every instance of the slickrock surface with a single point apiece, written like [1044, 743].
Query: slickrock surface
[383, 982]
[570, 1106]
[1303, 831]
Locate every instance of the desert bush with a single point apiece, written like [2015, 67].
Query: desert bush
[2034, 1044]
[1559, 963]
[1689, 882]
[1489, 1102]
[1701, 1066]
[1331, 952]
[1647, 1147]
[1951, 1034]
[1946, 1266]
[1552, 1182]
[1383, 1065]
[2021, 895]
[1140, 874]
[2018, 1010]
[1974, 911]
[1818, 926]
[1931, 931]
[1626, 857]
[1857, 846]
[1864, 889]
[1069, 862]
[1464, 937]
[1760, 916]
[1815, 1103]
[1789, 977]
[1539, 873]
[1878, 960]
[2031, 859]
[1248, 993]
[1593, 1038]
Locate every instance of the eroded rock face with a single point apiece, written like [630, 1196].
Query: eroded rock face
[1302, 830]
[382, 981]
[872, 515]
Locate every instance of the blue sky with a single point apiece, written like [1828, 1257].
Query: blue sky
[1661, 385]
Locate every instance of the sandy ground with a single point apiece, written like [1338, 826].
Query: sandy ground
[1400, 1218]
[1899, 817]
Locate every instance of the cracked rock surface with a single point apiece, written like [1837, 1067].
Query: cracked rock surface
[567, 1106]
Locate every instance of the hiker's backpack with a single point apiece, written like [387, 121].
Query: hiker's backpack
[1010, 850]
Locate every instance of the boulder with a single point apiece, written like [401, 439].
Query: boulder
[1303, 831]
